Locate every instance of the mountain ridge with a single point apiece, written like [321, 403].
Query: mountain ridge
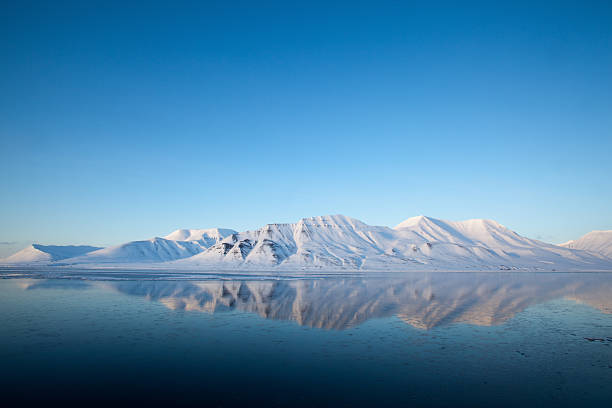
[338, 242]
[207, 236]
[597, 241]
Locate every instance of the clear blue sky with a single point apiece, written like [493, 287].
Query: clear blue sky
[122, 122]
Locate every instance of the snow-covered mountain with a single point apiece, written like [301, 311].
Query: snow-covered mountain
[419, 243]
[205, 237]
[152, 250]
[594, 241]
[37, 253]
[337, 242]
[488, 242]
[179, 244]
[328, 241]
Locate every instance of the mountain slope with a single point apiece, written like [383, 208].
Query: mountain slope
[205, 237]
[182, 243]
[152, 250]
[37, 253]
[487, 242]
[477, 232]
[594, 241]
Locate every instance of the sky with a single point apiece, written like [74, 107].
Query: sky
[126, 120]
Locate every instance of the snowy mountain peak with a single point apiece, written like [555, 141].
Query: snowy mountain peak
[197, 234]
[475, 223]
[335, 220]
[594, 241]
[412, 221]
[477, 231]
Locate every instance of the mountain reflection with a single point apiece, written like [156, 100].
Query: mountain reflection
[423, 300]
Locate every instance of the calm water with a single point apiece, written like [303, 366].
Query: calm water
[434, 339]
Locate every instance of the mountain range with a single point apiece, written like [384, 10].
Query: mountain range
[337, 242]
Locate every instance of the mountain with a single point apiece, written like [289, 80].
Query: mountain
[205, 237]
[182, 243]
[419, 243]
[152, 250]
[37, 253]
[337, 242]
[325, 241]
[486, 242]
[594, 241]
[476, 232]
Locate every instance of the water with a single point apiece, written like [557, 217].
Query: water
[420, 339]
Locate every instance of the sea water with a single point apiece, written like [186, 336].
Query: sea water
[419, 339]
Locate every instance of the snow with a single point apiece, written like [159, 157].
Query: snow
[422, 243]
[206, 237]
[594, 241]
[37, 253]
[152, 250]
[337, 242]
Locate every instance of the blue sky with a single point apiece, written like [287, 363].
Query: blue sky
[122, 122]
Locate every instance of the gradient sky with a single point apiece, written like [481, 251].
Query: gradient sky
[121, 122]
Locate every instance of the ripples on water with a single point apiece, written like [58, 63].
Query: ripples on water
[428, 339]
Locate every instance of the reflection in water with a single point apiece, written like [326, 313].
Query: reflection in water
[121, 340]
[422, 300]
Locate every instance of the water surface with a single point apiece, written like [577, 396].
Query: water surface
[425, 339]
